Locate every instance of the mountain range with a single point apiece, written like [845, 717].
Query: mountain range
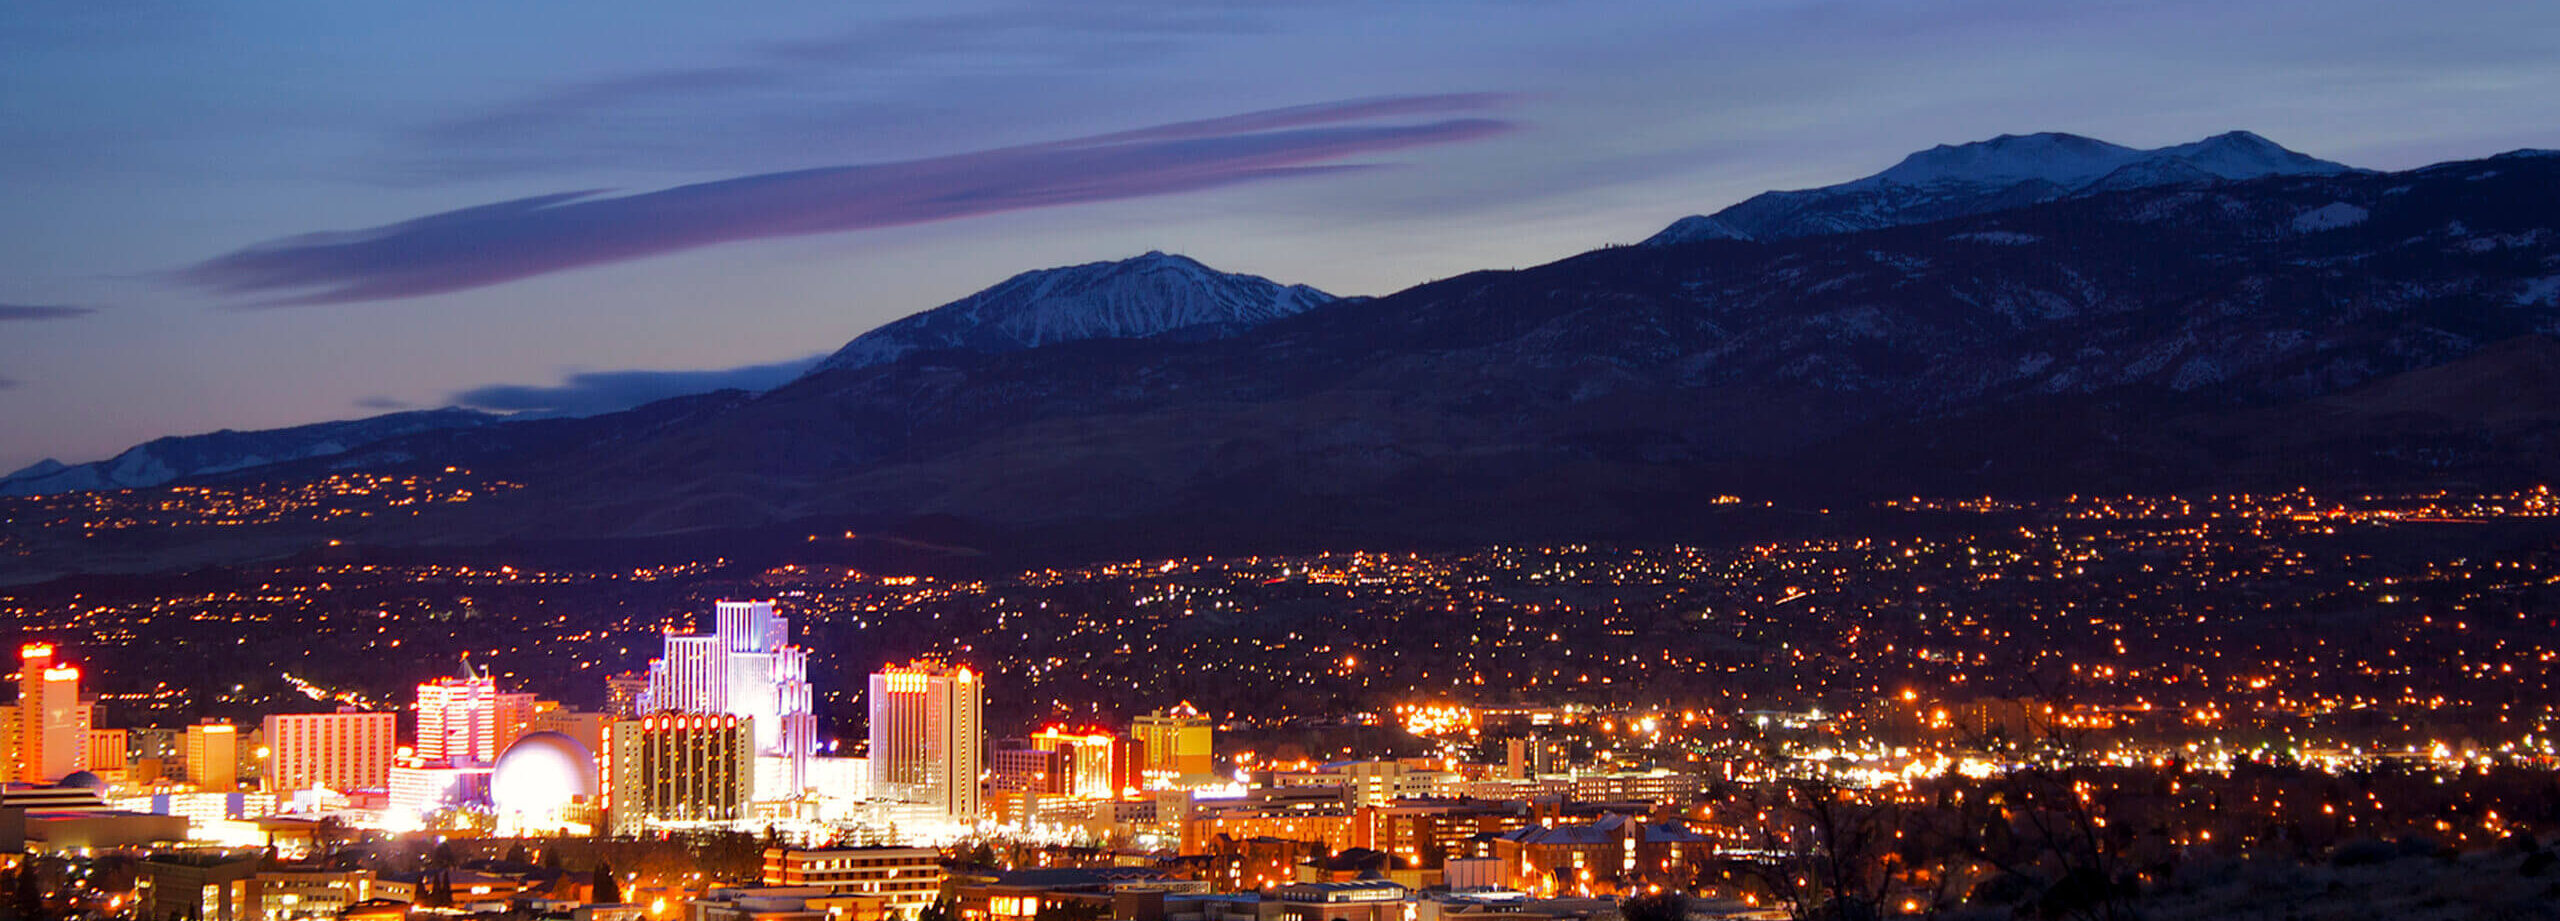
[2009, 171]
[2277, 321]
[180, 457]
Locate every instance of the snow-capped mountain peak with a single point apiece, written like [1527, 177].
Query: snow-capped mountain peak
[2243, 155]
[2009, 171]
[1132, 298]
[2067, 160]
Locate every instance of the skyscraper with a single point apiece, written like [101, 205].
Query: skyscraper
[53, 733]
[745, 667]
[926, 739]
[465, 722]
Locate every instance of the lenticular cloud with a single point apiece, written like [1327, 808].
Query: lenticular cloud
[496, 243]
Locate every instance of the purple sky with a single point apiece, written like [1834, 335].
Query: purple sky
[248, 215]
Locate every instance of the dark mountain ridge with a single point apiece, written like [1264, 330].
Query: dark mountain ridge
[2138, 339]
[2010, 171]
[2341, 330]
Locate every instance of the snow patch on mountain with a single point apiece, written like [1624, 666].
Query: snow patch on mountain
[1999, 238]
[2330, 216]
[1694, 228]
[1130, 299]
[2062, 159]
[2539, 291]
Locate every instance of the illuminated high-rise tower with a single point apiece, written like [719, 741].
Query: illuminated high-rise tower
[53, 725]
[465, 722]
[745, 667]
[927, 743]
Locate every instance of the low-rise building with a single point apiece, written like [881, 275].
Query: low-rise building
[905, 879]
[200, 885]
[786, 903]
[1613, 855]
[1358, 900]
[300, 895]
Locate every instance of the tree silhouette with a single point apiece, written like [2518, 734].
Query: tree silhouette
[26, 897]
[608, 891]
[1657, 907]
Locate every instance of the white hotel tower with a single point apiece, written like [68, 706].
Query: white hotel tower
[744, 667]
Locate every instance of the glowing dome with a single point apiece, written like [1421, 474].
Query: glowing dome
[537, 779]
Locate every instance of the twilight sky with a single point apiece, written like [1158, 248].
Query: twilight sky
[249, 215]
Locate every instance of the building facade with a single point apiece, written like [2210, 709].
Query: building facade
[907, 878]
[53, 730]
[466, 721]
[213, 756]
[927, 737]
[1177, 742]
[745, 667]
[347, 750]
[676, 768]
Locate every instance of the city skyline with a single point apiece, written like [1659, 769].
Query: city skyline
[1133, 460]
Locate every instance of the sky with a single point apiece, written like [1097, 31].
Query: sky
[249, 215]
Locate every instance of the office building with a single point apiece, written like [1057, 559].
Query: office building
[675, 768]
[926, 737]
[213, 756]
[347, 750]
[745, 667]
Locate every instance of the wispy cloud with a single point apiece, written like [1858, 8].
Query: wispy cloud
[506, 241]
[378, 402]
[782, 103]
[42, 312]
[593, 392]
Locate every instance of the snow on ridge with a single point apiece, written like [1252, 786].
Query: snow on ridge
[2330, 216]
[2005, 172]
[1129, 299]
[2063, 159]
[2537, 291]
